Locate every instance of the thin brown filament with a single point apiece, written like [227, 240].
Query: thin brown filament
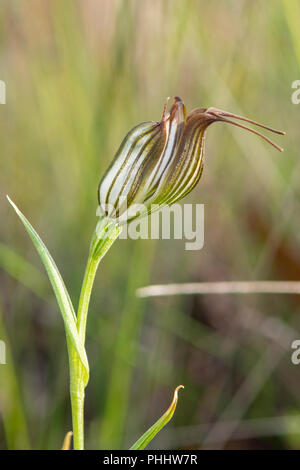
[221, 117]
[235, 116]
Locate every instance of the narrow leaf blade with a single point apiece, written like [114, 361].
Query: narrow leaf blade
[59, 288]
[144, 440]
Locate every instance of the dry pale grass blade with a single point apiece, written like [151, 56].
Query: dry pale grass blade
[67, 441]
[239, 287]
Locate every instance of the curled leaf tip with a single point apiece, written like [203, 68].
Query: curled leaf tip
[175, 400]
[144, 440]
[178, 388]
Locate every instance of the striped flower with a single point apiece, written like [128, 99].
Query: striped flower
[159, 163]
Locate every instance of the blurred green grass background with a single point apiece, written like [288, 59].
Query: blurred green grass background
[79, 75]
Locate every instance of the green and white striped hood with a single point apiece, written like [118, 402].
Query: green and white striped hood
[159, 163]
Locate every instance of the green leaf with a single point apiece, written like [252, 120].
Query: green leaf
[144, 440]
[60, 291]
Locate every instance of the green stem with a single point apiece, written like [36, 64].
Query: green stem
[77, 398]
[105, 234]
[85, 295]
